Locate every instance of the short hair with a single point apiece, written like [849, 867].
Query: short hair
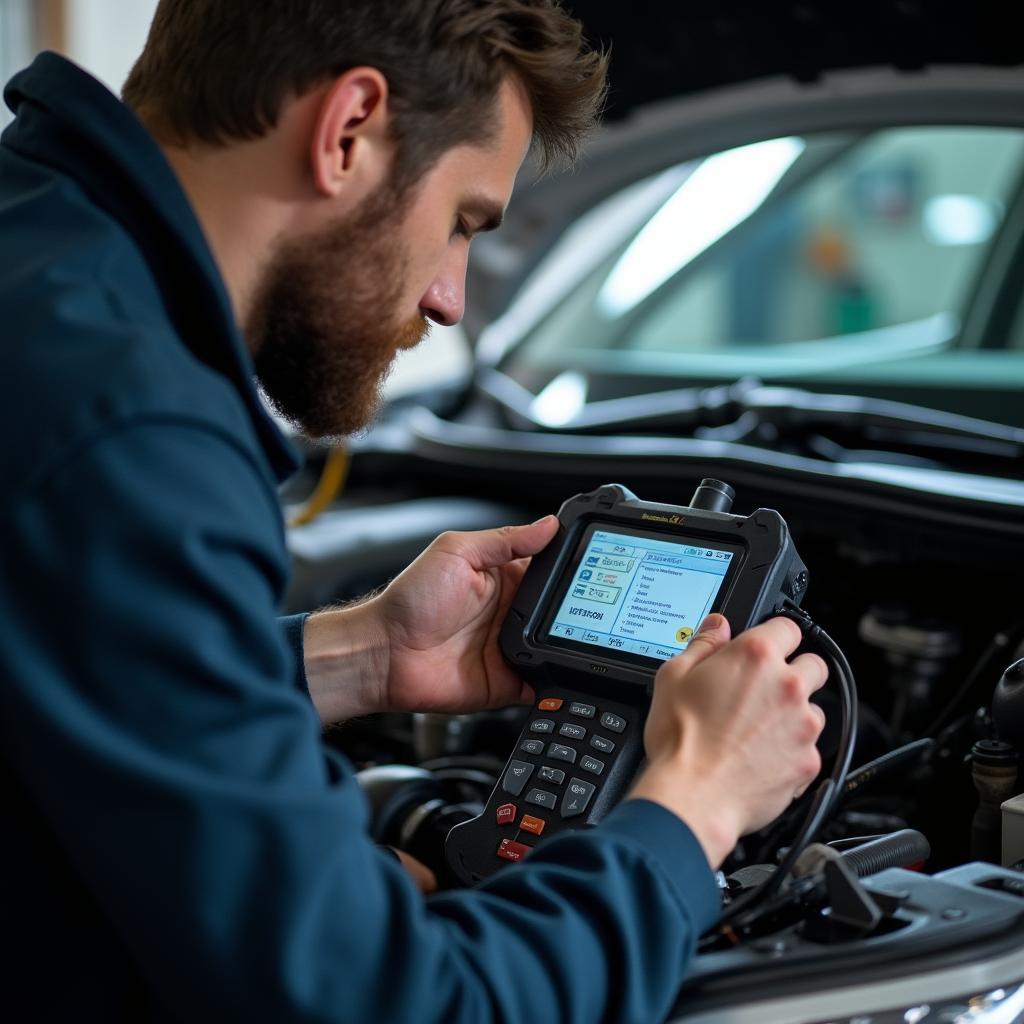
[218, 71]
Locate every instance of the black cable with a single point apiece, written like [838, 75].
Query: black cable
[824, 800]
[848, 696]
[880, 766]
[830, 790]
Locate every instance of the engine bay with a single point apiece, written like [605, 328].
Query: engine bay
[914, 865]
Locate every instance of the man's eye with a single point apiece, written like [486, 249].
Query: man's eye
[463, 230]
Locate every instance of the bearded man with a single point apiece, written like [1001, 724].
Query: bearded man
[288, 192]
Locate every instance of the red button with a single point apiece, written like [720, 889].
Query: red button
[532, 824]
[506, 814]
[550, 704]
[508, 849]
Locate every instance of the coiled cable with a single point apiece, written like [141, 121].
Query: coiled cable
[829, 791]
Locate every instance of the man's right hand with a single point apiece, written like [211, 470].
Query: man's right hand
[730, 738]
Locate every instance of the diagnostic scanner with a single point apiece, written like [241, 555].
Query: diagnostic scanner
[622, 587]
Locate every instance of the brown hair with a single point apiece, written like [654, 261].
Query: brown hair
[220, 70]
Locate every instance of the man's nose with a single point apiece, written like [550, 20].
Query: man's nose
[444, 301]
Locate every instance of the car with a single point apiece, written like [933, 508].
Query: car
[792, 261]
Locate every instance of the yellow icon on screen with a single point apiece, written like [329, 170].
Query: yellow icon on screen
[683, 634]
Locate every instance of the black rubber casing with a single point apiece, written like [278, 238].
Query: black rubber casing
[765, 572]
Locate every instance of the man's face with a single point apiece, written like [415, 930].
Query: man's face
[335, 306]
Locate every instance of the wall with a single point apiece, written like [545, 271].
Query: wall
[105, 36]
[17, 30]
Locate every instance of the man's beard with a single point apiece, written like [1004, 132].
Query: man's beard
[324, 326]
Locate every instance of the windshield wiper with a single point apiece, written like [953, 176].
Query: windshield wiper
[748, 412]
[824, 421]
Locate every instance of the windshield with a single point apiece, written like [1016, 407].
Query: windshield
[882, 263]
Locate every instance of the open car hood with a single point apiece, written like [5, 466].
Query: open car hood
[667, 48]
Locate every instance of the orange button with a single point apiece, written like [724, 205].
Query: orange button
[508, 849]
[550, 704]
[532, 824]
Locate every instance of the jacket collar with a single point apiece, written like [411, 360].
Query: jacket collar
[71, 122]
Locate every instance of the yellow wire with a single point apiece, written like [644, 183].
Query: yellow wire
[328, 487]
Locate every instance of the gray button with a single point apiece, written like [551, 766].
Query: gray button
[542, 798]
[558, 752]
[591, 764]
[515, 776]
[576, 798]
[542, 725]
[600, 743]
[549, 774]
[613, 722]
[532, 746]
[583, 710]
[574, 732]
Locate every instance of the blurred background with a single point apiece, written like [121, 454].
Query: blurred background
[104, 36]
[864, 244]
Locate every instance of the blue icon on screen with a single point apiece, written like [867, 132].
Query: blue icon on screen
[586, 574]
[592, 560]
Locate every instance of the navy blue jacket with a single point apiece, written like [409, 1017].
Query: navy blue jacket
[177, 842]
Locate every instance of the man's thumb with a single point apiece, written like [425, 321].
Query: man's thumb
[714, 632]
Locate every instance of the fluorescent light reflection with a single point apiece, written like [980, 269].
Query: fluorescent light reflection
[959, 220]
[721, 193]
[561, 401]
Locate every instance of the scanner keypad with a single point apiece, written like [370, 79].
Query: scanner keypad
[582, 730]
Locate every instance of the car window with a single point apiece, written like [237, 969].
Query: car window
[817, 252]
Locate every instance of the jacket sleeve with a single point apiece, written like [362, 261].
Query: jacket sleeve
[292, 627]
[152, 717]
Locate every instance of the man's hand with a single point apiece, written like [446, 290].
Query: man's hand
[730, 736]
[429, 641]
[443, 614]
[425, 879]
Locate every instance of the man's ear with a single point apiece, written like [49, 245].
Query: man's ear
[351, 143]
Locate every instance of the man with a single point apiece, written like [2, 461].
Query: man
[297, 184]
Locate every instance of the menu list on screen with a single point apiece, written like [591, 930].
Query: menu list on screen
[640, 595]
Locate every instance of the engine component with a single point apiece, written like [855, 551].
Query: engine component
[1013, 831]
[903, 849]
[917, 652]
[409, 811]
[823, 894]
[994, 772]
[1008, 705]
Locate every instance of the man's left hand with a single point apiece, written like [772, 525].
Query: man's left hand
[428, 642]
[443, 614]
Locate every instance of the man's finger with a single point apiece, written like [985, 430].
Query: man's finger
[819, 714]
[485, 549]
[782, 633]
[812, 668]
[714, 632]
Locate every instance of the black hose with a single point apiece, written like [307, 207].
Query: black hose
[897, 850]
